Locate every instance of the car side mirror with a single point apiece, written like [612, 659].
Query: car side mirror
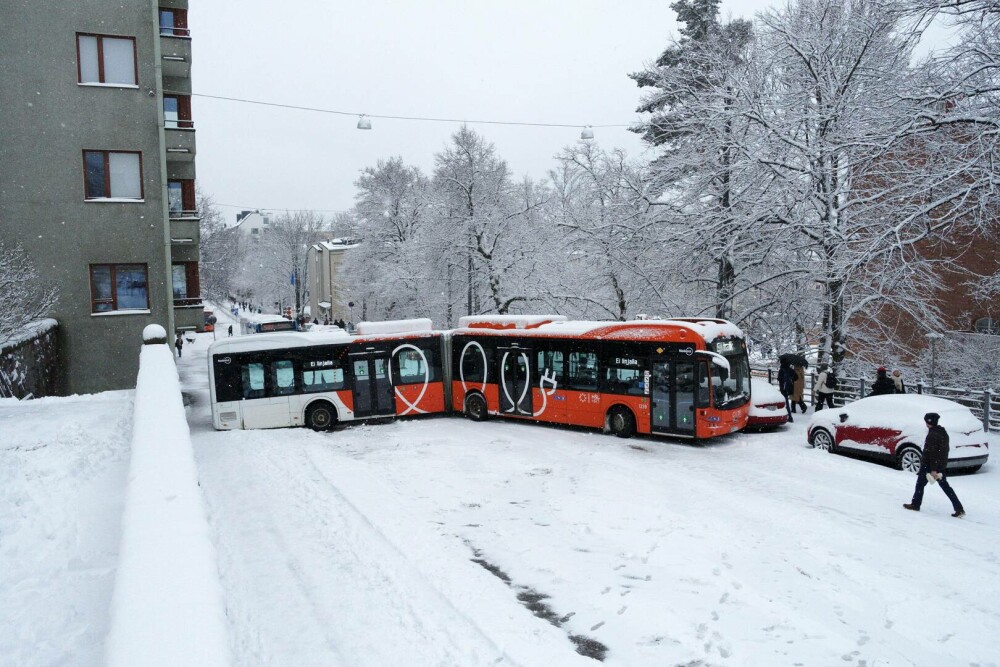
[843, 417]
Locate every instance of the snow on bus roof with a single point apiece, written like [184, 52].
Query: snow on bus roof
[395, 326]
[261, 318]
[293, 339]
[502, 322]
[706, 329]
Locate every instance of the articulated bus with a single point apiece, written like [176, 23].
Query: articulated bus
[682, 377]
[318, 379]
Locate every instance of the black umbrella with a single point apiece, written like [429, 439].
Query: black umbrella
[793, 359]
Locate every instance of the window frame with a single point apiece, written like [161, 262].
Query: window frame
[107, 177]
[189, 200]
[191, 277]
[184, 120]
[113, 268]
[180, 26]
[100, 61]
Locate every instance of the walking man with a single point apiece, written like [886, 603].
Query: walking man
[179, 344]
[932, 468]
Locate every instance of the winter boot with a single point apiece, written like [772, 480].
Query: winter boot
[959, 514]
[804, 407]
[911, 506]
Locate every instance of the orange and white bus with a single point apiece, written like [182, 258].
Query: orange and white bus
[684, 377]
[317, 379]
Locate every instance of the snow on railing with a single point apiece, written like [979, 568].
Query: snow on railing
[167, 607]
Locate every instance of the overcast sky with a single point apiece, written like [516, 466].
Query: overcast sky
[536, 61]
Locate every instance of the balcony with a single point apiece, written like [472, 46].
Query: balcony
[185, 230]
[180, 144]
[175, 51]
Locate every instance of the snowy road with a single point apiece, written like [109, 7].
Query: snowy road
[357, 548]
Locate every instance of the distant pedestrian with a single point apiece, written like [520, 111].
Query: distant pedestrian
[230, 330]
[179, 344]
[826, 384]
[933, 465]
[883, 384]
[786, 385]
[897, 379]
[799, 389]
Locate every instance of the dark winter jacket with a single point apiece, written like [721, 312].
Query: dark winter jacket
[936, 449]
[883, 385]
[786, 380]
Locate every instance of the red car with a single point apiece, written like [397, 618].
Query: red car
[892, 428]
[767, 405]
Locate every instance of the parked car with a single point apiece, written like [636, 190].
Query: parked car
[767, 405]
[892, 428]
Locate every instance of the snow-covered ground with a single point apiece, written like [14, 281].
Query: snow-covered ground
[412, 543]
[425, 542]
[63, 467]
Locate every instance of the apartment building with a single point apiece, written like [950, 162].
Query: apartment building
[326, 295]
[98, 172]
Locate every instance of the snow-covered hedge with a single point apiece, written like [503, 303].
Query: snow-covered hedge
[168, 606]
[29, 361]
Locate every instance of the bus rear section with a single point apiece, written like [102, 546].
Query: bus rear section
[324, 378]
[679, 378]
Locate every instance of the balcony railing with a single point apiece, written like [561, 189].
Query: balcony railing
[171, 31]
[187, 302]
[177, 214]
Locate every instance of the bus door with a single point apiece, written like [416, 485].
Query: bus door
[266, 388]
[672, 394]
[514, 383]
[373, 393]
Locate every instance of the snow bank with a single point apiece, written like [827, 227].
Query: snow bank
[167, 607]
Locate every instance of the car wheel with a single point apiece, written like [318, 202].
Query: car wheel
[621, 422]
[909, 459]
[823, 440]
[475, 407]
[320, 416]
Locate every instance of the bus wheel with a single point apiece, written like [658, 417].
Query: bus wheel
[320, 416]
[621, 421]
[475, 407]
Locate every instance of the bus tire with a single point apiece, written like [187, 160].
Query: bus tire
[476, 408]
[621, 422]
[320, 416]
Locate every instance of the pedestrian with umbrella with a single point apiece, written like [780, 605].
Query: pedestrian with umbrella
[796, 395]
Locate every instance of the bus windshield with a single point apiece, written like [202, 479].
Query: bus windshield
[731, 388]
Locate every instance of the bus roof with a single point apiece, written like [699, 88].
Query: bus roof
[293, 339]
[707, 329]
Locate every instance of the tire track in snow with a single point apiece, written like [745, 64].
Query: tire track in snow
[355, 597]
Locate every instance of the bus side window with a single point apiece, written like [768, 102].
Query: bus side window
[227, 382]
[282, 378]
[322, 375]
[625, 381]
[409, 366]
[582, 374]
[471, 364]
[551, 361]
[253, 380]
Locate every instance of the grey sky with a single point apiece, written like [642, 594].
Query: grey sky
[539, 61]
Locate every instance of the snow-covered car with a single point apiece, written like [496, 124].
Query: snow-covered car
[767, 405]
[892, 428]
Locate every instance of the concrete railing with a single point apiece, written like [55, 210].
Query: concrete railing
[167, 608]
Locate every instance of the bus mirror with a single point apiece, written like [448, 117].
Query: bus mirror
[716, 358]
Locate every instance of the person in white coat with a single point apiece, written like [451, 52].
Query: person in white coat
[826, 383]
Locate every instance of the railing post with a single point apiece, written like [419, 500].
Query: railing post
[920, 387]
[769, 380]
[861, 388]
[987, 399]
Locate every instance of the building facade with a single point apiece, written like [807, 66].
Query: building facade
[97, 177]
[326, 297]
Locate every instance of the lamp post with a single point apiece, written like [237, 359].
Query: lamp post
[933, 337]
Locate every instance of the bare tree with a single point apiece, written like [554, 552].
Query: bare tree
[26, 298]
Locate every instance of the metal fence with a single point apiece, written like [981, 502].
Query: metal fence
[985, 404]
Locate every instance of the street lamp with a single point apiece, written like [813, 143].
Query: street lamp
[933, 337]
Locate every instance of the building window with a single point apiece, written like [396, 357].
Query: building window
[103, 59]
[177, 111]
[112, 174]
[181, 198]
[187, 291]
[174, 22]
[118, 287]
